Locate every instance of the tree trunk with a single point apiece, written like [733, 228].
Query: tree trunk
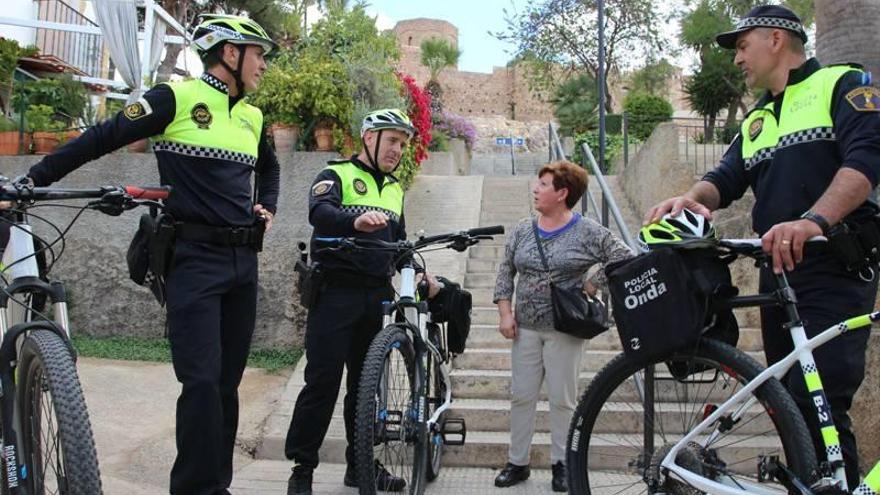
[166, 68]
[847, 32]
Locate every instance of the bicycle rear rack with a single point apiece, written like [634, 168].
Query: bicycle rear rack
[453, 431]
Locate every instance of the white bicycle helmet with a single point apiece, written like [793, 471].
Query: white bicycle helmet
[685, 230]
[388, 118]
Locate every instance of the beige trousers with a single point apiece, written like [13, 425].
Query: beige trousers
[537, 355]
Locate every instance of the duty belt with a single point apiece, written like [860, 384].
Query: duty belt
[224, 236]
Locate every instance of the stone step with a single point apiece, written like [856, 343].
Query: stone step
[494, 415]
[500, 359]
[484, 315]
[481, 296]
[487, 252]
[479, 280]
[492, 218]
[495, 384]
[484, 334]
[475, 265]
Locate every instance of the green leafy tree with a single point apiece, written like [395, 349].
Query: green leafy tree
[653, 78]
[575, 105]
[645, 112]
[437, 54]
[555, 38]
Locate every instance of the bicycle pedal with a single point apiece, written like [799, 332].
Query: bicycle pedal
[454, 431]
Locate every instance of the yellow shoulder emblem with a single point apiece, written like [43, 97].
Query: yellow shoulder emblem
[864, 99]
[137, 110]
[322, 187]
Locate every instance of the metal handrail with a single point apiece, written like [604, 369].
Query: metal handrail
[607, 196]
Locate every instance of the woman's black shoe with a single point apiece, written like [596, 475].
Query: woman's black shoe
[560, 482]
[511, 475]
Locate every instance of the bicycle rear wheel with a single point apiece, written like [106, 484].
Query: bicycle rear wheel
[387, 420]
[609, 451]
[56, 436]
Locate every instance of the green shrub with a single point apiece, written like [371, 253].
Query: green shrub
[7, 125]
[613, 147]
[41, 118]
[644, 112]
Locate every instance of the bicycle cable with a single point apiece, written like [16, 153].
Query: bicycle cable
[44, 245]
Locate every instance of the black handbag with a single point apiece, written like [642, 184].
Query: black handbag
[574, 312]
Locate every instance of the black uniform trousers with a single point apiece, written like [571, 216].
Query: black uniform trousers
[212, 298]
[827, 294]
[339, 330]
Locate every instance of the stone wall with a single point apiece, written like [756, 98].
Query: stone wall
[503, 92]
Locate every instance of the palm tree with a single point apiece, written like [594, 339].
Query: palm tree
[437, 54]
[845, 32]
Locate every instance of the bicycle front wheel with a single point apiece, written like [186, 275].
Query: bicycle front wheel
[390, 439]
[617, 439]
[56, 437]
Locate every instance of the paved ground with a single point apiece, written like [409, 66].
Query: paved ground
[132, 404]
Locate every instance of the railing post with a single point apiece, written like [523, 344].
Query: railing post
[624, 124]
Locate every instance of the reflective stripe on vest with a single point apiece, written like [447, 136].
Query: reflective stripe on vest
[805, 117]
[360, 193]
[204, 127]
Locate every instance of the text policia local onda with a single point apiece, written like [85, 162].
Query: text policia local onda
[642, 289]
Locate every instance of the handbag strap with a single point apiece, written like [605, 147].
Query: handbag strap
[541, 250]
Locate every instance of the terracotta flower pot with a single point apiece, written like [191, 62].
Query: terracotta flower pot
[10, 144]
[45, 142]
[324, 139]
[286, 137]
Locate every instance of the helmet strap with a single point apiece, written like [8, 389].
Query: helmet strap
[374, 158]
[236, 73]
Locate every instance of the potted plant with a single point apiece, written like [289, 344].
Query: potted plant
[12, 140]
[46, 129]
[280, 103]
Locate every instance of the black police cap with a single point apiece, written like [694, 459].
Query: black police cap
[769, 16]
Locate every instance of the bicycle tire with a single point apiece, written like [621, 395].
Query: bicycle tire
[57, 439]
[601, 458]
[387, 429]
[436, 393]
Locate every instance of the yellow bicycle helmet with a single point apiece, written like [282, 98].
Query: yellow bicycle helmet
[685, 230]
[215, 29]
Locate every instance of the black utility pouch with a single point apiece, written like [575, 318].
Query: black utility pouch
[844, 242]
[869, 239]
[138, 255]
[259, 231]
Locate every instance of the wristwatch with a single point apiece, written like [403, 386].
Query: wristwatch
[818, 220]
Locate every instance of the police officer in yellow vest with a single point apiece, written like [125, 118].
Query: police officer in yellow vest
[357, 197]
[810, 152]
[209, 142]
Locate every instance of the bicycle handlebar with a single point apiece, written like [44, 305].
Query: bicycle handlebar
[459, 240]
[111, 200]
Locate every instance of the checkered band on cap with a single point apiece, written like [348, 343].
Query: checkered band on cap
[770, 22]
[205, 152]
[360, 210]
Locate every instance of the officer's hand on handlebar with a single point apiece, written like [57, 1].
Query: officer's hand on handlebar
[674, 206]
[785, 241]
[433, 284]
[371, 221]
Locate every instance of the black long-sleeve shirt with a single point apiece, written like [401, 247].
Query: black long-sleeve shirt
[210, 191]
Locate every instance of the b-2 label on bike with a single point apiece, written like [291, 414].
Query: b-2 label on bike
[11, 466]
[643, 288]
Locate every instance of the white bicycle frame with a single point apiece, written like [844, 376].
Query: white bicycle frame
[420, 321]
[19, 263]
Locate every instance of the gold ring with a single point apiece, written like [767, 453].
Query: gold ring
[786, 241]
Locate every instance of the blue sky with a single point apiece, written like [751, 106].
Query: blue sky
[473, 18]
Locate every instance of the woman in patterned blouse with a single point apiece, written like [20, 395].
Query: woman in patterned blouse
[572, 245]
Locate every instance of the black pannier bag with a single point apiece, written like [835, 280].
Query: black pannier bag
[150, 253]
[452, 305]
[664, 299]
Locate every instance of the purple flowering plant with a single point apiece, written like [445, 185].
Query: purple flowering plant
[457, 126]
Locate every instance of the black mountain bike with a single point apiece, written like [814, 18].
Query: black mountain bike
[47, 441]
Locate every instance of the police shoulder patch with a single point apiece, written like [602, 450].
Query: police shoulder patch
[137, 110]
[322, 187]
[755, 128]
[864, 99]
[360, 186]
